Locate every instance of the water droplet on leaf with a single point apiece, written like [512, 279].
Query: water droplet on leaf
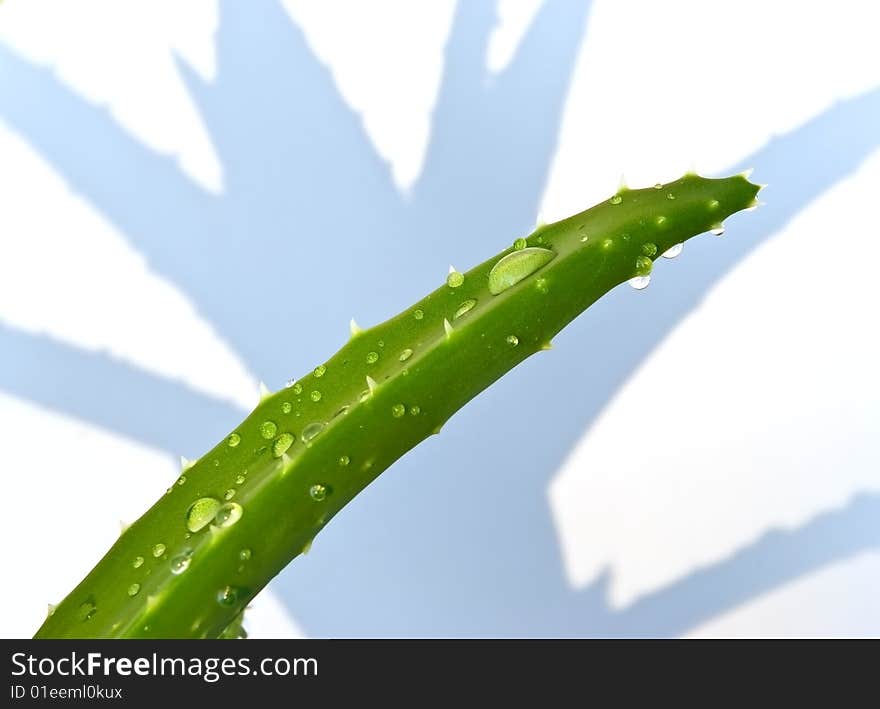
[282, 444]
[200, 513]
[516, 266]
[268, 429]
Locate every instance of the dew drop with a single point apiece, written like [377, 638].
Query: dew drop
[398, 410]
[516, 266]
[315, 395]
[418, 314]
[639, 282]
[318, 492]
[233, 440]
[268, 429]
[464, 308]
[227, 596]
[179, 564]
[405, 355]
[297, 388]
[669, 195]
[286, 407]
[239, 479]
[660, 221]
[200, 514]
[311, 430]
[344, 460]
[714, 203]
[87, 609]
[245, 554]
[158, 550]
[289, 383]
[372, 357]
[658, 186]
[134, 589]
[649, 249]
[541, 285]
[643, 266]
[319, 370]
[717, 230]
[341, 411]
[281, 444]
[228, 514]
[607, 243]
[519, 244]
[229, 494]
[673, 251]
[512, 340]
[454, 279]
[181, 480]
[138, 562]
[616, 199]
[415, 410]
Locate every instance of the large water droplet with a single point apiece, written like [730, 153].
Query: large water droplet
[516, 266]
[158, 550]
[268, 429]
[282, 444]
[318, 492]
[134, 589]
[405, 355]
[640, 282]
[200, 513]
[319, 370]
[372, 357]
[138, 562]
[228, 514]
[233, 440]
[673, 251]
[227, 596]
[311, 430]
[398, 410]
[464, 308]
[454, 279]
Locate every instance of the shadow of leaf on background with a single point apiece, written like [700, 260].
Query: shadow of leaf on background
[310, 224]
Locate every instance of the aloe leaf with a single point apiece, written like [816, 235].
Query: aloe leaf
[242, 512]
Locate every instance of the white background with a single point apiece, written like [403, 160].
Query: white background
[740, 450]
